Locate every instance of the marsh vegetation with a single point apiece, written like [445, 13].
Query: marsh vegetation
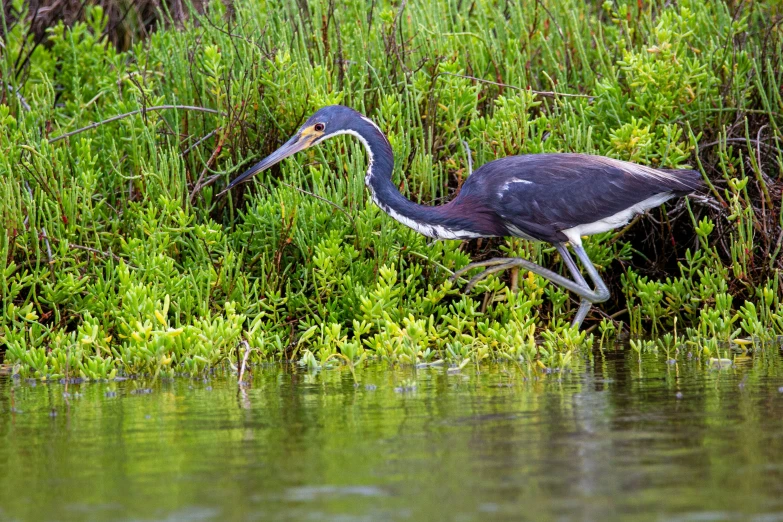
[117, 258]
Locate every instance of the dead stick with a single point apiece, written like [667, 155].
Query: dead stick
[548, 94]
[244, 360]
[316, 196]
[199, 142]
[99, 252]
[43, 230]
[132, 113]
[612, 318]
[199, 185]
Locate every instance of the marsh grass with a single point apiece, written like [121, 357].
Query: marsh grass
[116, 257]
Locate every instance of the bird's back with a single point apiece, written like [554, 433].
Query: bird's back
[542, 195]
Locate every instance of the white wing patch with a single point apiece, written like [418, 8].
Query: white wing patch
[575, 234]
[510, 182]
[515, 180]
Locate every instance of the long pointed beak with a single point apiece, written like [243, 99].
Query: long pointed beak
[290, 147]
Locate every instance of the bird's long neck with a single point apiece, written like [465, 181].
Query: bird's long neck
[432, 221]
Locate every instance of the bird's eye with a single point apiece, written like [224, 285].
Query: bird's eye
[319, 127]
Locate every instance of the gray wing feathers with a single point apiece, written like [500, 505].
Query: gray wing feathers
[542, 194]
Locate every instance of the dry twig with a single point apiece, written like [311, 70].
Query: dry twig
[132, 113]
[548, 94]
[244, 360]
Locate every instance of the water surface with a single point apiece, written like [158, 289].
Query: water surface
[614, 439]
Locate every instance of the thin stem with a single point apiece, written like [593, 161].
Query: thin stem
[132, 113]
[316, 196]
[199, 142]
[99, 252]
[244, 361]
[548, 94]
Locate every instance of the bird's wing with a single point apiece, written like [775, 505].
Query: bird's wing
[543, 194]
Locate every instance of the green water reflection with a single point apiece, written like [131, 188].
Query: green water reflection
[615, 439]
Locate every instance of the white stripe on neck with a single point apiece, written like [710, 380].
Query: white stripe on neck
[429, 230]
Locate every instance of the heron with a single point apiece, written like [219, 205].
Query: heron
[556, 198]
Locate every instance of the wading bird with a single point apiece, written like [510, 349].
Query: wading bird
[556, 198]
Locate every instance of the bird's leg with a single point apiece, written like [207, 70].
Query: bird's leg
[601, 292]
[509, 263]
[504, 263]
[478, 264]
[579, 286]
[584, 305]
[581, 313]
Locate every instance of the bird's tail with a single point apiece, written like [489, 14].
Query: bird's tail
[686, 181]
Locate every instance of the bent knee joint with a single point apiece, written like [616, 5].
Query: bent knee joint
[601, 295]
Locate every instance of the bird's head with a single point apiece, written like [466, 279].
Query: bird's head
[325, 123]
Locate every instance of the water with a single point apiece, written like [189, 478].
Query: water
[617, 439]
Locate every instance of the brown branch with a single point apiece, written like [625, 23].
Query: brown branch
[235, 120]
[548, 94]
[199, 142]
[200, 182]
[612, 318]
[101, 253]
[133, 113]
[739, 140]
[244, 361]
[22, 102]
[43, 230]
[316, 196]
